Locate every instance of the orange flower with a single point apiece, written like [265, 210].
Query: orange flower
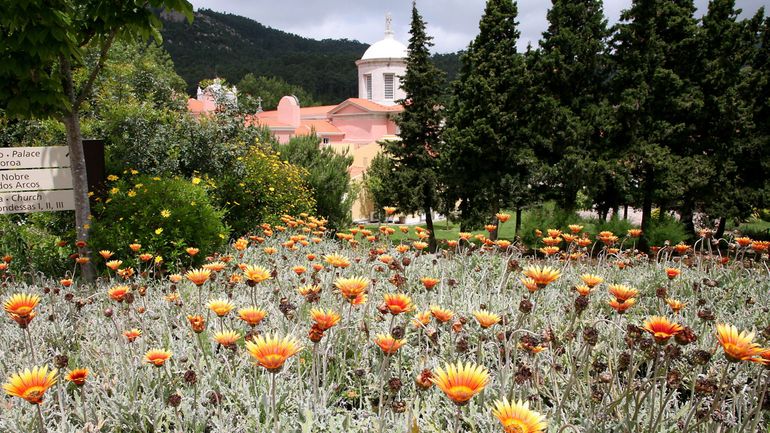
[114, 264]
[226, 338]
[389, 210]
[135, 247]
[351, 288]
[215, 266]
[635, 233]
[175, 278]
[672, 273]
[743, 241]
[309, 290]
[622, 292]
[485, 318]
[336, 260]
[763, 357]
[252, 315]
[503, 217]
[256, 274]
[591, 280]
[402, 248]
[461, 382]
[106, 254]
[197, 323]
[465, 236]
[543, 276]
[549, 251]
[675, 305]
[299, 270]
[503, 244]
[324, 319]
[271, 353]
[241, 244]
[530, 284]
[269, 250]
[451, 243]
[398, 303]
[191, 251]
[359, 300]
[21, 305]
[78, 376]
[30, 385]
[518, 418]
[661, 328]
[66, 282]
[737, 346]
[681, 248]
[622, 306]
[419, 245]
[428, 282]
[157, 357]
[198, 276]
[388, 344]
[575, 228]
[220, 307]
[441, 314]
[422, 319]
[132, 334]
[146, 257]
[118, 293]
[583, 290]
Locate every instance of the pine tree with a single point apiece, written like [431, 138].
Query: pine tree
[571, 73]
[656, 98]
[415, 156]
[487, 157]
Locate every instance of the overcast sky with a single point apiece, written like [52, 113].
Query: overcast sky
[452, 23]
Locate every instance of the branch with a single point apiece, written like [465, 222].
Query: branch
[99, 65]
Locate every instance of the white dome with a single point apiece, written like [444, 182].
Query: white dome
[388, 48]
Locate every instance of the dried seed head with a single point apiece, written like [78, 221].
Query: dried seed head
[525, 306]
[686, 336]
[394, 384]
[174, 400]
[190, 377]
[590, 336]
[60, 361]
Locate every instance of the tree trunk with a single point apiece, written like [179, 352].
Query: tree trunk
[686, 213]
[518, 222]
[646, 207]
[78, 168]
[720, 228]
[625, 212]
[493, 234]
[432, 244]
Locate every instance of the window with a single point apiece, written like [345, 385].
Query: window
[368, 84]
[326, 140]
[389, 78]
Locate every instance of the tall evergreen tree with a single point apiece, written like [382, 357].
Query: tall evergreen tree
[656, 98]
[415, 156]
[487, 155]
[571, 74]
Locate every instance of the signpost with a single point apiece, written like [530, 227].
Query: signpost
[35, 179]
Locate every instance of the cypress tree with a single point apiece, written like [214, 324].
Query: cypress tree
[415, 156]
[487, 157]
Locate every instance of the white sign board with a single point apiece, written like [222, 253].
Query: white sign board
[12, 158]
[36, 201]
[35, 179]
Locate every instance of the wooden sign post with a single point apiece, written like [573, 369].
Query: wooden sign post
[35, 179]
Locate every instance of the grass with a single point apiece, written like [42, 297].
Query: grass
[446, 230]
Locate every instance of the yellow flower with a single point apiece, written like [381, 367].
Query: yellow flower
[518, 418]
[132, 193]
[158, 231]
[737, 346]
[165, 213]
[196, 180]
[461, 382]
[30, 385]
[112, 178]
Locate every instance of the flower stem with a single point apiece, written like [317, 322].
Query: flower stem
[272, 402]
[40, 419]
[384, 367]
[457, 419]
[29, 342]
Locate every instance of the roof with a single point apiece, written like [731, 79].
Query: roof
[388, 48]
[321, 127]
[368, 106]
[319, 112]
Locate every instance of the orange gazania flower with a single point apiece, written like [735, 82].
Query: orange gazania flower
[114, 264]
[419, 245]
[191, 251]
[635, 233]
[157, 357]
[543, 276]
[622, 292]
[389, 210]
[485, 318]
[309, 290]
[351, 288]
[132, 334]
[743, 241]
[197, 323]
[549, 251]
[672, 273]
[398, 303]
[421, 319]
[66, 282]
[530, 284]
[145, 257]
[763, 357]
[661, 328]
[428, 282]
[737, 346]
[30, 385]
[21, 305]
[583, 290]
[78, 376]
[388, 344]
[241, 244]
[299, 270]
[622, 306]
[518, 418]
[681, 248]
[441, 314]
[675, 304]
[591, 280]
[336, 260]
[135, 247]
[256, 274]
[461, 382]
[324, 319]
[252, 315]
[220, 307]
[226, 338]
[118, 293]
[106, 254]
[215, 266]
[503, 217]
[575, 228]
[270, 352]
[198, 276]
[402, 248]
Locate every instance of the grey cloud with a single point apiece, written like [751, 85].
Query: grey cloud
[452, 23]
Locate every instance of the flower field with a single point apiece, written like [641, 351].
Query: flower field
[293, 330]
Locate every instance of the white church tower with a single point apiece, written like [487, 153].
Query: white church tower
[381, 68]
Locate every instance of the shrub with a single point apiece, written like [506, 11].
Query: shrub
[260, 188]
[32, 242]
[327, 175]
[164, 215]
[755, 229]
[665, 229]
[615, 225]
[542, 217]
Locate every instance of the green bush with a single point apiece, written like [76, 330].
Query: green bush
[755, 229]
[164, 215]
[260, 188]
[615, 225]
[543, 217]
[32, 242]
[665, 229]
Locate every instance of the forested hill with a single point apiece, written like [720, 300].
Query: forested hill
[230, 46]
